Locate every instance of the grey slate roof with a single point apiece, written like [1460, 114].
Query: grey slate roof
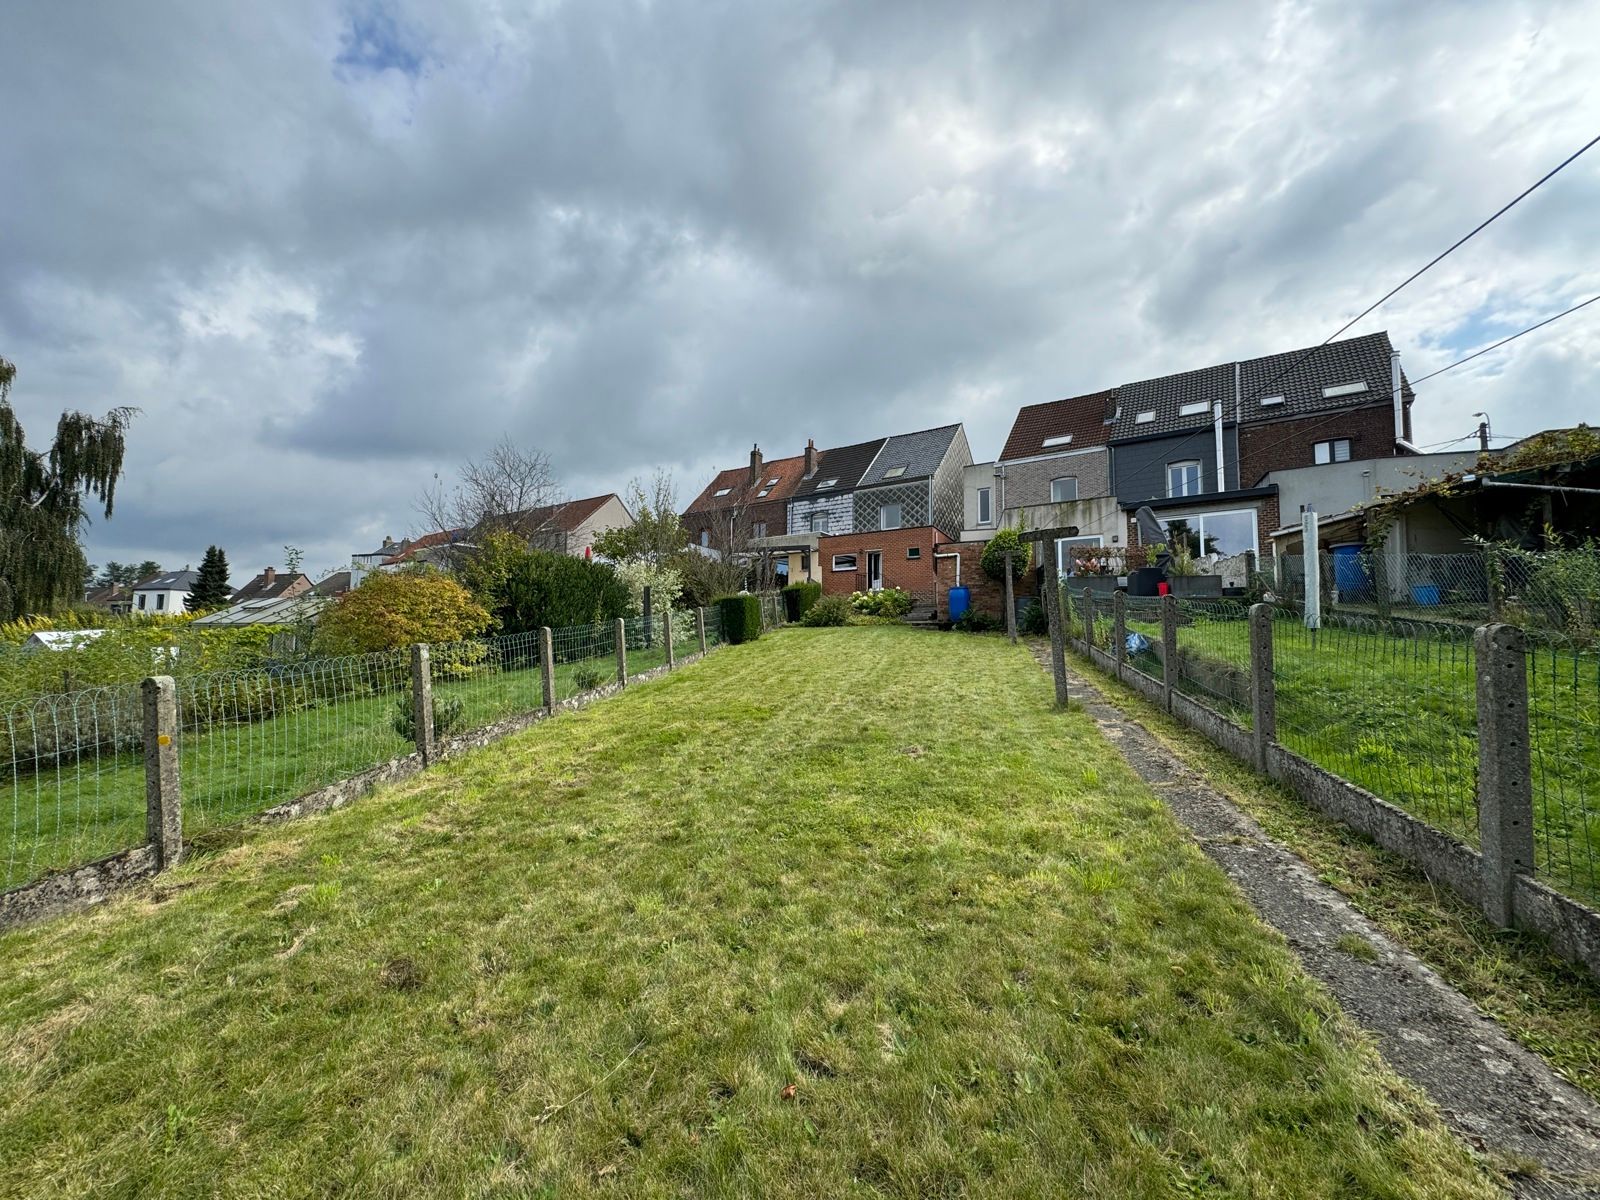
[919, 453]
[168, 581]
[847, 464]
[1297, 375]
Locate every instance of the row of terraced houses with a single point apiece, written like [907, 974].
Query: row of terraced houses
[1227, 457]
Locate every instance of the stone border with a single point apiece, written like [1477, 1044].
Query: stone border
[1573, 929]
[77, 888]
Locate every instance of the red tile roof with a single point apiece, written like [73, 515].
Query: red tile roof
[787, 471]
[1083, 417]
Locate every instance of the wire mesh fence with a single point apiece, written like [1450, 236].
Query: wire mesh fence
[1534, 589]
[73, 788]
[1142, 615]
[1564, 748]
[1214, 656]
[74, 773]
[1389, 705]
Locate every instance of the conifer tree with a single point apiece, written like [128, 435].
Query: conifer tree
[211, 588]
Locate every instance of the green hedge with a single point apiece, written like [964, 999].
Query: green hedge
[741, 618]
[798, 599]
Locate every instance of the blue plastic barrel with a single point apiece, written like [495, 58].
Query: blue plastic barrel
[1425, 594]
[960, 601]
[1350, 573]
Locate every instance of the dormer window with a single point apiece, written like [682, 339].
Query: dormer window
[723, 491]
[1344, 389]
[1194, 408]
[894, 472]
[1145, 417]
[1268, 401]
[1064, 439]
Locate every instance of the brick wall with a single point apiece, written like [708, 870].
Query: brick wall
[1029, 482]
[1281, 445]
[988, 595]
[915, 575]
[774, 512]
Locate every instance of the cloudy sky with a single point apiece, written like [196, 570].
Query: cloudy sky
[332, 249]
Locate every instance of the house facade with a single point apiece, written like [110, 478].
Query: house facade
[273, 584]
[164, 594]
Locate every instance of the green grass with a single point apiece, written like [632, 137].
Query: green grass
[1398, 716]
[62, 817]
[912, 933]
[1549, 1005]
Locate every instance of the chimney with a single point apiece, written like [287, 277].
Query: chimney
[755, 465]
[268, 575]
[811, 457]
[1398, 394]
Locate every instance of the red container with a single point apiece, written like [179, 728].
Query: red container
[1163, 588]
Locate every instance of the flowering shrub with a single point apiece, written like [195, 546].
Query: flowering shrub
[887, 602]
[830, 610]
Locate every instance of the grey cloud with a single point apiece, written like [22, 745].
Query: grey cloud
[332, 249]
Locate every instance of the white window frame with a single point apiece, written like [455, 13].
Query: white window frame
[1064, 439]
[141, 601]
[1082, 540]
[844, 558]
[1196, 522]
[883, 516]
[705, 537]
[759, 529]
[1063, 479]
[985, 506]
[1144, 418]
[1344, 389]
[161, 601]
[1184, 464]
[1194, 408]
[820, 515]
[1330, 447]
[913, 553]
[722, 491]
[828, 483]
[894, 472]
[1268, 401]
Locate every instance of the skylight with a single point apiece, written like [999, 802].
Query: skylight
[1145, 417]
[894, 472]
[1344, 389]
[1266, 400]
[723, 491]
[762, 492]
[827, 483]
[772, 483]
[1194, 408]
[1062, 440]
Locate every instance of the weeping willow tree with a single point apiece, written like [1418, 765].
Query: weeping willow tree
[44, 502]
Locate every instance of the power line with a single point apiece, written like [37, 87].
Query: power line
[1412, 278]
[1503, 341]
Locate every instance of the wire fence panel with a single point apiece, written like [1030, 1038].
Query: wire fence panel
[1143, 617]
[584, 657]
[1214, 656]
[248, 740]
[1388, 705]
[73, 789]
[1564, 743]
[482, 681]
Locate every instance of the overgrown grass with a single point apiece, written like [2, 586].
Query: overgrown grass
[1547, 1004]
[912, 934]
[60, 817]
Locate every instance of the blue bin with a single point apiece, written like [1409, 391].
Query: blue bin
[1350, 574]
[1425, 594]
[960, 601]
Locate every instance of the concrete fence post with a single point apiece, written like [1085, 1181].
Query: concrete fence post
[1263, 689]
[1169, 648]
[547, 668]
[422, 702]
[622, 652]
[1058, 638]
[1119, 629]
[162, 797]
[666, 636]
[1505, 775]
[1011, 603]
[700, 627]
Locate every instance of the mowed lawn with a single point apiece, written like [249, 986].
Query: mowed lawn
[847, 912]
